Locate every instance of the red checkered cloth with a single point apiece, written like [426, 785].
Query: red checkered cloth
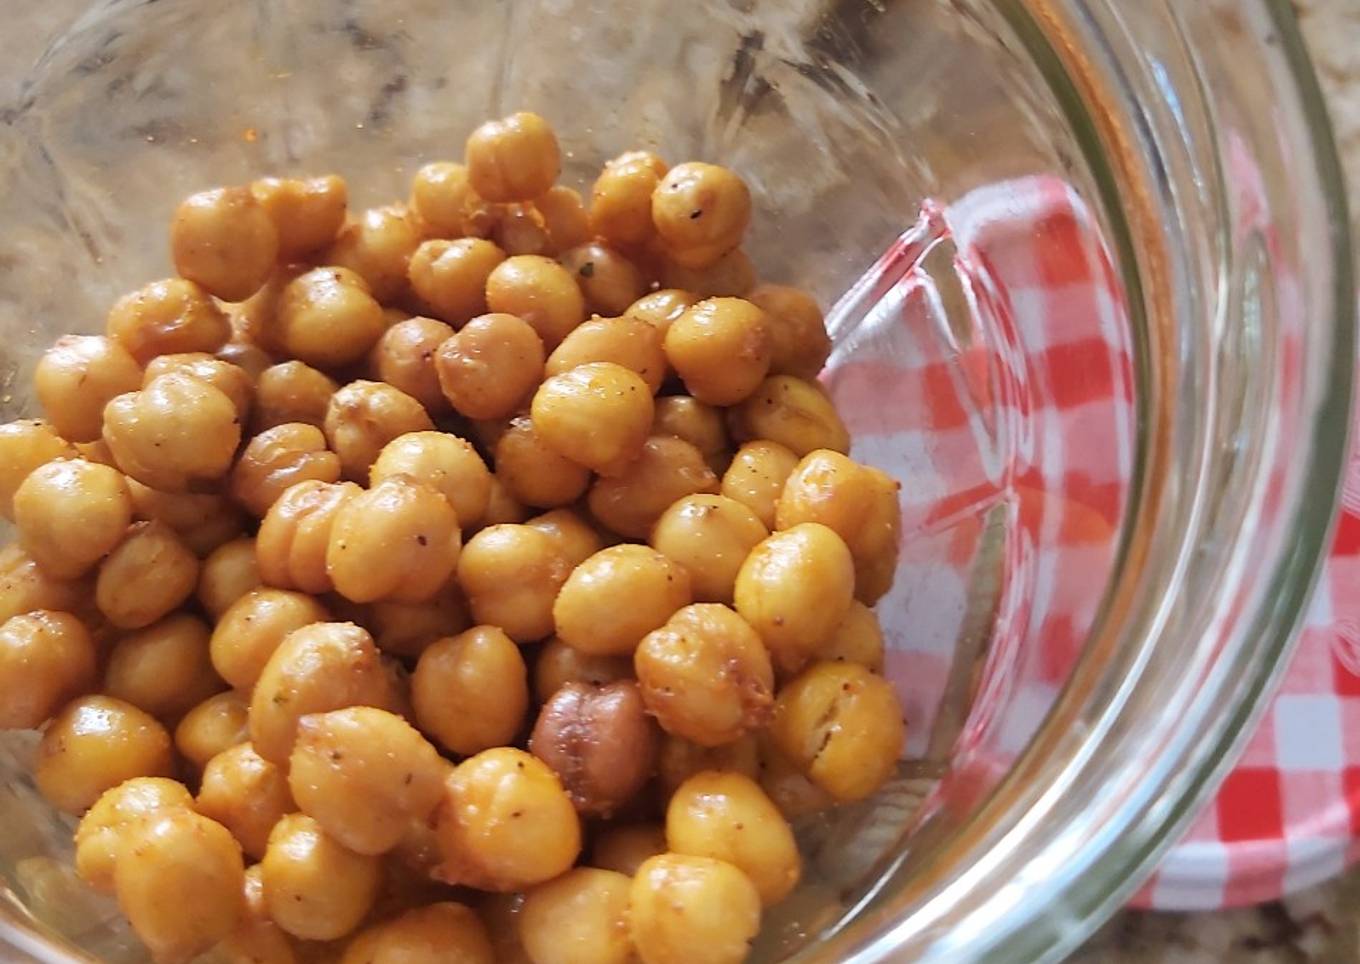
[986, 362]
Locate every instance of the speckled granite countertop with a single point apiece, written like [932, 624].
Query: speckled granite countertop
[1322, 924]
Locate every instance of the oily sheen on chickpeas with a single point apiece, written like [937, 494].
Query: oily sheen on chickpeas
[476, 577]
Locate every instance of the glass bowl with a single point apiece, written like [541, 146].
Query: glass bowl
[1092, 296]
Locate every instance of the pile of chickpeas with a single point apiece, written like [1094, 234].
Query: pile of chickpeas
[480, 578]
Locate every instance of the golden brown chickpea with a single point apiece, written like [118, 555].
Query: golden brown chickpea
[795, 588]
[247, 356]
[105, 829]
[217, 724]
[792, 413]
[660, 308]
[314, 887]
[228, 573]
[541, 292]
[558, 665]
[148, 575]
[597, 415]
[728, 817]
[278, 458]
[167, 317]
[450, 276]
[680, 759]
[77, 377]
[195, 860]
[363, 774]
[513, 159]
[231, 381]
[618, 596]
[328, 318]
[177, 434]
[787, 786]
[363, 417]
[224, 240]
[511, 575]
[398, 541]
[600, 743]
[502, 508]
[163, 669]
[251, 629]
[377, 246]
[445, 463]
[257, 940]
[407, 629]
[246, 794]
[720, 349]
[25, 445]
[731, 276]
[95, 451]
[842, 725]
[292, 392]
[70, 496]
[94, 744]
[621, 200]
[677, 903]
[564, 215]
[25, 586]
[321, 667]
[46, 659]
[519, 229]
[699, 205]
[705, 675]
[439, 933]
[505, 823]
[307, 213]
[629, 342]
[490, 367]
[668, 469]
[624, 847]
[535, 474]
[609, 281]
[756, 477]
[579, 918]
[798, 340]
[698, 424]
[404, 358]
[858, 639]
[575, 537]
[470, 691]
[442, 198]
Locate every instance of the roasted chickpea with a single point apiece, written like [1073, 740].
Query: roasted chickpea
[327, 317]
[253, 627]
[728, 817]
[731, 276]
[46, 659]
[363, 774]
[575, 537]
[660, 308]
[258, 940]
[246, 794]
[224, 240]
[558, 664]
[25, 586]
[407, 629]
[377, 246]
[505, 823]
[181, 883]
[502, 508]
[541, 292]
[278, 458]
[668, 469]
[512, 159]
[629, 342]
[621, 200]
[677, 903]
[795, 588]
[451, 276]
[799, 344]
[858, 639]
[618, 596]
[470, 691]
[705, 675]
[597, 415]
[609, 281]
[292, 392]
[247, 356]
[105, 829]
[599, 741]
[711, 536]
[404, 358]
[579, 918]
[535, 474]
[511, 575]
[698, 424]
[842, 725]
[624, 847]
[163, 669]
[756, 477]
[519, 229]
[193, 515]
[699, 205]
[440, 933]
[490, 367]
[363, 417]
[165, 317]
[442, 198]
[148, 575]
[445, 463]
[231, 381]
[320, 667]
[680, 759]
[25, 445]
[792, 413]
[77, 377]
[720, 349]
[314, 887]
[94, 744]
[217, 724]
[69, 496]
[787, 786]
[228, 573]
[307, 213]
[564, 215]
[176, 434]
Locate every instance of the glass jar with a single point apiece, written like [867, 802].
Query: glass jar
[1108, 351]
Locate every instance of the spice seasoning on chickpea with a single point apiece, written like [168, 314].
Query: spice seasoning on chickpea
[513, 159]
[446, 463]
[46, 658]
[667, 469]
[77, 377]
[609, 281]
[224, 240]
[165, 317]
[470, 692]
[541, 292]
[596, 414]
[377, 246]
[490, 367]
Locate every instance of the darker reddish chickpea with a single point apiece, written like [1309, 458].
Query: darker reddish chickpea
[799, 344]
[540, 291]
[150, 574]
[71, 496]
[77, 377]
[163, 669]
[669, 468]
[442, 197]
[231, 381]
[307, 212]
[166, 317]
[25, 445]
[629, 342]
[621, 200]
[491, 366]
[177, 434]
[731, 276]
[327, 317]
[450, 276]
[599, 741]
[404, 358]
[720, 348]
[564, 215]
[46, 658]
[225, 241]
[609, 281]
[701, 206]
[596, 414]
[660, 308]
[377, 246]
[291, 545]
[363, 417]
[278, 458]
[534, 473]
[515, 158]
[292, 392]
